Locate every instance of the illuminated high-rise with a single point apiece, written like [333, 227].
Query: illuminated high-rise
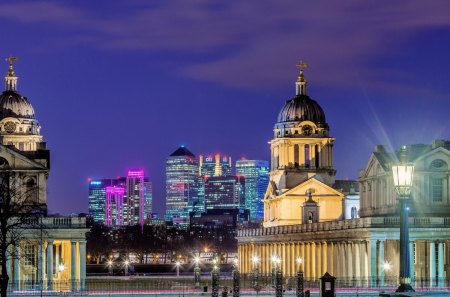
[224, 192]
[217, 165]
[182, 186]
[256, 173]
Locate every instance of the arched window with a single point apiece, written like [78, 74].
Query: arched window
[438, 165]
[30, 189]
[316, 156]
[354, 212]
[310, 217]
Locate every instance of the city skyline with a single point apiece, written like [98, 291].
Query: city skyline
[93, 79]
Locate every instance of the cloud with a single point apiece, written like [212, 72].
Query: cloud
[247, 44]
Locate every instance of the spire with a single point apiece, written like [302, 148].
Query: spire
[11, 78]
[300, 84]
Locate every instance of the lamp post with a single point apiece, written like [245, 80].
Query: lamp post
[177, 264]
[197, 272]
[403, 178]
[278, 278]
[110, 267]
[300, 280]
[126, 263]
[256, 285]
[274, 270]
[236, 278]
[215, 279]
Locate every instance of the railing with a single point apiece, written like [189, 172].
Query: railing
[56, 222]
[373, 222]
[249, 285]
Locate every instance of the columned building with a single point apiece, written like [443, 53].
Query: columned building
[50, 252]
[305, 215]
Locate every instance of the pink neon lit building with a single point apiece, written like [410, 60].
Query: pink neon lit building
[114, 206]
[135, 198]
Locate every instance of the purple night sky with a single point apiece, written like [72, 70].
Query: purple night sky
[121, 84]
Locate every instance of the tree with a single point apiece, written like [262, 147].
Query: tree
[99, 241]
[20, 211]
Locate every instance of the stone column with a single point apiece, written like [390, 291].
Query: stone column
[8, 262]
[343, 263]
[441, 275]
[330, 267]
[349, 255]
[308, 260]
[373, 277]
[365, 262]
[318, 259]
[50, 265]
[313, 260]
[357, 263]
[16, 263]
[82, 265]
[293, 259]
[432, 263]
[73, 265]
[39, 265]
[381, 262]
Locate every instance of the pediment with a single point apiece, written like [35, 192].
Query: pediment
[316, 186]
[372, 168]
[18, 161]
[271, 190]
[423, 161]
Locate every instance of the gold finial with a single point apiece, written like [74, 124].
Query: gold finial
[11, 60]
[302, 66]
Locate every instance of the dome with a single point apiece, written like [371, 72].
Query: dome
[12, 104]
[301, 108]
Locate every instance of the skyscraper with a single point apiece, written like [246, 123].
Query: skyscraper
[224, 192]
[182, 188]
[121, 201]
[216, 165]
[256, 173]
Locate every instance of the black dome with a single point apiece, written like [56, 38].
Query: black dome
[301, 108]
[12, 104]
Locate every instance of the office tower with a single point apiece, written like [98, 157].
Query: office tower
[182, 186]
[114, 205]
[216, 165]
[256, 173]
[224, 192]
[135, 199]
[97, 198]
[148, 196]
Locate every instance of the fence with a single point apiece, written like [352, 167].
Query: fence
[184, 285]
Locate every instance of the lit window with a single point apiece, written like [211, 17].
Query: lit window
[436, 189]
[29, 255]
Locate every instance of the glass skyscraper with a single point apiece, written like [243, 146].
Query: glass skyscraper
[182, 186]
[256, 173]
[216, 165]
[224, 192]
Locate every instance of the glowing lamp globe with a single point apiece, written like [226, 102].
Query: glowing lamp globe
[403, 179]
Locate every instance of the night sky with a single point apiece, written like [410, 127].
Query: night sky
[121, 84]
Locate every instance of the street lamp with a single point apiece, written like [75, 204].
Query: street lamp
[215, 274]
[126, 266]
[300, 280]
[278, 277]
[256, 285]
[178, 268]
[403, 178]
[236, 278]
[197, 272]
[110, 266]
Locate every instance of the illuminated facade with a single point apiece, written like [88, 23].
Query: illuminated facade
[55, 259]
[182, 186]
[256, 173]
[309, 215]
[224, 192]
[121, 201]
[217, 165]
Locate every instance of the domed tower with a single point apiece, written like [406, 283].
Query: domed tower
[301, 163]
[18, 125]
[302, 146]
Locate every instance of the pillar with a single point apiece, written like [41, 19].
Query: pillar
[349, 257]
[357, 262]
[324, 257]
[16, 264]
[293, 259]
[39, 265]
[307, 260]
[82, 265]
[432, 263]
[330, 267]
[283, 258]
[313, 260]
[373, 276]
[8, 262]
[73, 265]
[365, 262]
[318, 259]
[343, 263]
[441, 264]
[380, 261]
[50, 265]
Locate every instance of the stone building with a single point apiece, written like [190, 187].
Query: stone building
[51, 253]
[304, 207]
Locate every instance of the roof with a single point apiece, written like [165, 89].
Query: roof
[182, 151]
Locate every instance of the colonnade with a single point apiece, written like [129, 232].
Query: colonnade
[375, 260]
[57, 262]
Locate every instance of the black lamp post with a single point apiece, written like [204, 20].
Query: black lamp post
[236, 279]
[256, 285]
[278, 278]
[300, 280]
[197, 272]
[403, 177]
[215, 280]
